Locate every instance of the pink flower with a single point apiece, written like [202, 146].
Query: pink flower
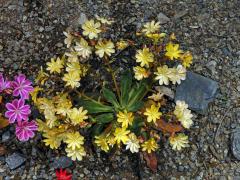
[22, 86]
[17, 110]
[25, 130]
[4, 83]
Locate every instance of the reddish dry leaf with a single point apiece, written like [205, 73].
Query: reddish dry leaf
[151, 160]
[3, 122]
[2, 150]
[168, 127]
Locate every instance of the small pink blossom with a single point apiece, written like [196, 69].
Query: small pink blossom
[4, 83]
[17, 110]
[25, 130]
[22, 86]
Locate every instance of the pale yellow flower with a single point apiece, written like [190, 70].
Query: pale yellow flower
[76, 154]
[144, 57]
[149, 145]
[179, 141]
[177, 74]
[69, 38]
[74, 140]
[152, 113]
[122, 44]
[126, 118]
[72, 79]
[133, 143]
[101, 141]
[103, 48]
[91, 29]
[183, 114]
[162, 75]
[55, 66]
[156, 36]
[140, 73]
[151, 27]
[73, 67]
[72, 56]
[78, 115]
[83, 49]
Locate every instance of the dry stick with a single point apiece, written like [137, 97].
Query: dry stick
[220, 124]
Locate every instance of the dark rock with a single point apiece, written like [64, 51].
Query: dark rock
[15, 160]
[197, 91]
[62, 162]
[5, 136]
[235, 143]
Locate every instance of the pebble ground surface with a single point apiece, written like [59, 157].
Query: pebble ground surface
[31, 33]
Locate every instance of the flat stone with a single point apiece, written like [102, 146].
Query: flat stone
[197, 91]
[82, 18]
[5, 136]
[15, 160]
[162, 18]
[235, 143]
[62, 162]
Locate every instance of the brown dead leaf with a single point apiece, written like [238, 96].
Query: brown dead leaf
[0, 99]
[151, 160]
[3, 122]
[2, 150]
[168, 127]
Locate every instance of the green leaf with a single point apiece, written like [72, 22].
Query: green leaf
[137, 93]
[137, 125]
[104, 118]
[97, 129]
[125, 85]
[95, 107]
[110, 97]
[135, 107]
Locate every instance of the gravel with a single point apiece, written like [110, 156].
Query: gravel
[31, 30]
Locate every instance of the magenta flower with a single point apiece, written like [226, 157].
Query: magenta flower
[17, 110]
[25, 130]
[4, 83]
[22, 86]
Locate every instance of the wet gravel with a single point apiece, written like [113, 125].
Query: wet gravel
[31, 33]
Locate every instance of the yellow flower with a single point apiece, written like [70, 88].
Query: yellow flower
[64, 108]
[41, 77]
[140, 73]
[52, 140]
[183, 114]
[69, 38]
[74, 140]
[177, 74]
[55, 66]
[91, 29]
[111, 140]
[149, 145]
[186, 59]
[73, 67]
[104, 48]
[151, 27]
[121, 135]
[156, 36]
[173, 51]
[72, 79]
[76, 154]
[163, 75]
[104, 20]
[156, 96]
[83, 49]
[133, 143]
[122, 44]
[179, 141]
[34, 94]
[101, 142]
[144, 57]
[126, 118]
[78, 115]
[172, 37]
[152, 113]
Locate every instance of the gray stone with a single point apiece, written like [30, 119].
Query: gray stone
[235, 143]
[212, 66]
[15, 160]
[82, 18]
[62, 162]
[162, 18]
[197, 91]
[5, 136]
